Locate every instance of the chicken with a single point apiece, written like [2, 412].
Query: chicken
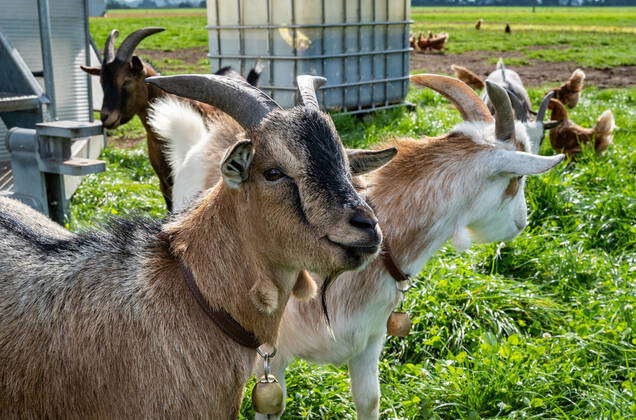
[438, 42]
[569, 92]
[569, 137]
[468, 77]
[422, 43]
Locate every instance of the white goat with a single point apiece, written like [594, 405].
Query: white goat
[520, 100]
[467, 186]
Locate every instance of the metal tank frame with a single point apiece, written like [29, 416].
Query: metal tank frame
[294, 27]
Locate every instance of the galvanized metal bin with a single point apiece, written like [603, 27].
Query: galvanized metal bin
[360, 46]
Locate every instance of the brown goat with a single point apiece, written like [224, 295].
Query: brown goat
[569, 137]
[122, 77]
[105, 324]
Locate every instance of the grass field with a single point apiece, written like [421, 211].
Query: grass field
[588, 36]
[540, 327]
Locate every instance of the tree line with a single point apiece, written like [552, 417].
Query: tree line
[150, 4]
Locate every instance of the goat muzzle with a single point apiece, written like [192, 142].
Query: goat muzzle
[358, 233]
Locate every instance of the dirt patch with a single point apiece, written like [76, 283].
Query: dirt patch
[535, 73]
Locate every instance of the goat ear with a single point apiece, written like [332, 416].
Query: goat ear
[236, 163]
[93, 71]
[136, 65]
[522, 163]
[363, 161]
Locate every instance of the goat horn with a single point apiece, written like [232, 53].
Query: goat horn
[520, 110]
[237, 98]
[543, 107]
[127, 48]
[109, 47]
[307, 86]
[459, 93]
[504, 118]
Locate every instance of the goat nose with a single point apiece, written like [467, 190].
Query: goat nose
[362, 220]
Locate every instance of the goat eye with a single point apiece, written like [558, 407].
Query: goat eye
[273, 174]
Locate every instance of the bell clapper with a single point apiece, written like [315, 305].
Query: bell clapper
[399, 322]
[267, 394]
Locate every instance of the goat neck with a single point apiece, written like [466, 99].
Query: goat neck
[189, 241]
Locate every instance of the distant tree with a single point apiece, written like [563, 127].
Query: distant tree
[114, 4]
[203, 4]
[147, 4]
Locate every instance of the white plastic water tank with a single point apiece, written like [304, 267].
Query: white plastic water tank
[360, 46]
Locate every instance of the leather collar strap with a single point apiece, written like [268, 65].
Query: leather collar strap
[222, 319]
[391, 266]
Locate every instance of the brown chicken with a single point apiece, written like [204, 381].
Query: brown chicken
[438, 42]
[413, 41]
[478, 24]
[422, 43]
[569, 137]
[468, 77]
[569, 92]
[433, 42]
[508, 30]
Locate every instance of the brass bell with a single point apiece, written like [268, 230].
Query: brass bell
[398, 324]
[267, 396]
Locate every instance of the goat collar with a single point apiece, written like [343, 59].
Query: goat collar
[392, 267]
[230, 326]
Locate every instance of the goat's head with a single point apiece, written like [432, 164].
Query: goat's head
[122, 77]
[511, 82]
[492, 157]
[294, 173]
[536, 127]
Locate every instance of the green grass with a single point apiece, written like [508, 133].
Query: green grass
[543, 326]
[593, 37]
[182, 31]
[557, 16]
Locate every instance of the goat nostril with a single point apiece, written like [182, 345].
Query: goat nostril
[362, 222]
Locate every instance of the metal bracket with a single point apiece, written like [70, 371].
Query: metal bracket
[41, 157]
